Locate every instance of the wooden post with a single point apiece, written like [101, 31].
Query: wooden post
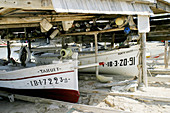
[96, 53]
[168, 55]
[9, 50]
[165, 55]
[143, 28]
[63, 42]
[144, 68]
[29, 44]
[142, 62]
[91, 49]
[81, 47]
[113, 40]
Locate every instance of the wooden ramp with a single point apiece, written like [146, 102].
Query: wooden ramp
[72, 106]
[159, 71]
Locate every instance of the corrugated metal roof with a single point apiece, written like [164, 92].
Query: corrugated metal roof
[101, 7]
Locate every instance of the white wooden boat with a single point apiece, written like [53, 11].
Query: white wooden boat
[55, 81]
[122, 61]
[3, 44]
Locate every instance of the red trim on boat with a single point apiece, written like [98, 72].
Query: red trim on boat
[35, 76]
[56, 94]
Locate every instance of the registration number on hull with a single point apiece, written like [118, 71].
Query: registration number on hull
[122, 62]
[49, 81]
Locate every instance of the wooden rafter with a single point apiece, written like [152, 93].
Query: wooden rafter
[20, 20]
[27, 4]
[96, 32]
[5, 11]
[161, 7]
[19, 25]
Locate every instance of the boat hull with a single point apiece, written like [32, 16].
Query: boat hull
[54, 81]
[56, 94]
[118, 62]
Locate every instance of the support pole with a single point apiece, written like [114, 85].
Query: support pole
[143, 75]
[29, 44]
[81, 47]
[113, 40]
[96, 53]
[145, 80]
[91, 49]
[143, 28]
[63, 42]
[9, 50]
[168, 56]
[165, 54]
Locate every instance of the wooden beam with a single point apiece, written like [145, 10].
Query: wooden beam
[5, 11]
[160, 16]
[130, 95]
[30, 38]
[161, 7]
[160, 71]
[27, 4]
[19, 25]
[80, 107]
[96, 32]
[159, 31]
[158, 79]
[141, 1]
[159, 38]
[17, 20]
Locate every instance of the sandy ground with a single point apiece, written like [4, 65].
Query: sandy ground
[120, 103]
[88, 82]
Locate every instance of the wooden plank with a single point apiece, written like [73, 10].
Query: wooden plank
[6, 10]
[130, 95]
[121, 83]
[142, 1]
[159, 79]
[17, 20]
[160, 71]
[163, 6]
[158, 38]
[27, 4]
[80, 107]
[159, 31]
[27, 38]
[94, 109]
[19, 25]
[96, 32]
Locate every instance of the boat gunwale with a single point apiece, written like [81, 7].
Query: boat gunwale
[106, 52]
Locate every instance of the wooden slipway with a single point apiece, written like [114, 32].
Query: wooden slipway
[71, 105]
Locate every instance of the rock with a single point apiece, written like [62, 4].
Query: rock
[110, 101]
